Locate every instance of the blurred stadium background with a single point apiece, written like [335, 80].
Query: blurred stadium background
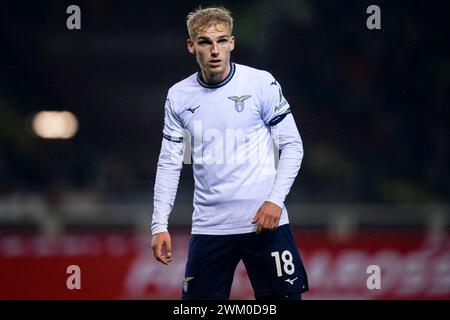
[372, 108]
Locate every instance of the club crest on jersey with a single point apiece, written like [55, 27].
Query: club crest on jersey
[239, 102]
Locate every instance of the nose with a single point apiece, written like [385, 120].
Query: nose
[215, 50]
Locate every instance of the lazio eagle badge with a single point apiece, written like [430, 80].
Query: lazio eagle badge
[239, 102]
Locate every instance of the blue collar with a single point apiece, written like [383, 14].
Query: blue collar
[219, 84]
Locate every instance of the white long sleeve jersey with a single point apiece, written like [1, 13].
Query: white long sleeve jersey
[228, 130]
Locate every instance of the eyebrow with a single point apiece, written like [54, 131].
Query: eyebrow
[209, 39]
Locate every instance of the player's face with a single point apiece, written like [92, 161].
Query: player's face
[212, 49]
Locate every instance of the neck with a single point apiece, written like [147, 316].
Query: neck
[213, 78]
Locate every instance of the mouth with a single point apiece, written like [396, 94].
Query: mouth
[214, 63]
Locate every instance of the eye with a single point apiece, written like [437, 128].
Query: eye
[223, 40]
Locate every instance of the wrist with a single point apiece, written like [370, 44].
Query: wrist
[276, 202]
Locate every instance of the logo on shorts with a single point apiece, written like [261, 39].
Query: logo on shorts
[291, 281]
[239, 102]
[185, 283]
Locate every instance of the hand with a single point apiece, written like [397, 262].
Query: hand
[159, 241]
[267, 217]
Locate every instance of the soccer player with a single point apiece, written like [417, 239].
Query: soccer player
[231, 116]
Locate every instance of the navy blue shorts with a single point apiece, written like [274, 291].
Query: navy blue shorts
[271, 259]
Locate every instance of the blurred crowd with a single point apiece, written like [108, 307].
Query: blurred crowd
[372, 106]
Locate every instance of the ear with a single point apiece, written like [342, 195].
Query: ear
[232, 43]
[190, 46]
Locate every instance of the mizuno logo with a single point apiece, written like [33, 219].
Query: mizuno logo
[239, 102]
[291, 281]
[192, 109]
[274, 82]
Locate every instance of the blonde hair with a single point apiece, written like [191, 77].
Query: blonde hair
[204, 18]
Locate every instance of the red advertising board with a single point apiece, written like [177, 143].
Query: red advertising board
[120, 265]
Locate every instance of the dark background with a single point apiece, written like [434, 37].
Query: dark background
[372, 106]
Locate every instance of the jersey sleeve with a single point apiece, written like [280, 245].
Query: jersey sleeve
[288, 141]
[168, 169]
[274, 106]
[166, 184]
[277, 115]
[173, 128]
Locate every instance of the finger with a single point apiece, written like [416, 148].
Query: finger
[256, 218]
[158, 248]
[268, 223]
[169, 248]
[276, 222]
[167, 244]
[272, 226]
[168, 256]
[164, 260]
[258, 229]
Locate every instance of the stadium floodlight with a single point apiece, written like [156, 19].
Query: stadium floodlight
[55, 124]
